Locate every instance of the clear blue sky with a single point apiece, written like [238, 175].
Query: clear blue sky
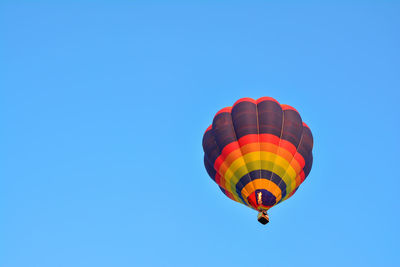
[103, 105]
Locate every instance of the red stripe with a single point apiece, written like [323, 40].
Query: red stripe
[248, 99]
[208, 128]
[302, 176]
[287, 107]
[229, 148]
[226, 109]
[288, 146]
[229, 194]
[269, 138]
[252, 200]
[247, 139]
[266, 98]
[218, 179]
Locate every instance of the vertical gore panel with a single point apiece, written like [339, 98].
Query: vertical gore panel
[224, 133]
[209, 168]
[305, 149]
[245, 122]
[270, 117]
[244, 117]
[308, 166]
[210, 147]
[292, 127]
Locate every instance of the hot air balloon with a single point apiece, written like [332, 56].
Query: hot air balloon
[258, 152]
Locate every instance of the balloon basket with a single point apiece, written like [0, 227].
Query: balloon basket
[263, 217]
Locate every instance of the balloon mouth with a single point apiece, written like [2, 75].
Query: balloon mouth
[263, 217]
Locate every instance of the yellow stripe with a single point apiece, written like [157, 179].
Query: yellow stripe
[293, 186]
[231, 183]
[231, 187]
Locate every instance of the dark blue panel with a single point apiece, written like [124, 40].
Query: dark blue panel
[244, 117]
[210, 169]
[269, 117]
[210, 147]
[292, 127]
[267, 198]
[223, 130]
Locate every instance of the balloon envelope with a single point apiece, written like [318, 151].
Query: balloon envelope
[258, 152]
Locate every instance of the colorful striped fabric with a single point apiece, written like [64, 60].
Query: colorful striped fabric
[258, 152]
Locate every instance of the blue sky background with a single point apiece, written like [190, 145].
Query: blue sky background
[103, 106]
